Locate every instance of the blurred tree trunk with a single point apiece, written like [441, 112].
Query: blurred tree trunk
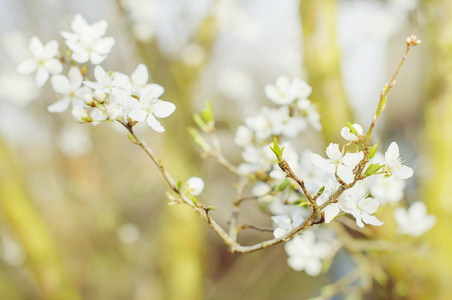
[437, 142]
[43, 257]
[182, 230]
[321, 62]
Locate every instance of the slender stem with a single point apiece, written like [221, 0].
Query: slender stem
[411, 42]
[218, 154]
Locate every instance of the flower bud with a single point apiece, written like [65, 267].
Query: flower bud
[80, 114]
[88, 100]
[99, 96]
[195, 185]
[114, 111]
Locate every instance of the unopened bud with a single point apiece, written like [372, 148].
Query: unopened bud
[80, 115]
[88, 100]
[413, 41]
[114, 111]
[99, 96]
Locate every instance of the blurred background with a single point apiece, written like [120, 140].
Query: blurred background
[83, 212]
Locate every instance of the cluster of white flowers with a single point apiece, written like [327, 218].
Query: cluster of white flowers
[324, 176]
[343, 183]
[112, 96]
[293, 116]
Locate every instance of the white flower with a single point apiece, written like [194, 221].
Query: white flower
[394, 165]
[355, 202]
[261, 189]
[139, 79]
[331, 186]
[310, 113]
[284, 224]
[306, 253]
[243, 136]
[80, 115]
[194, 186]
[415, 220]
[352, 137]
[149, 107]
[338, 163]
[282, 92]
[285, 92]
[43, 61]
[86, 42]
[114, 83]
[386, 189]
[301, 88]
[70, 88]
[115, 111]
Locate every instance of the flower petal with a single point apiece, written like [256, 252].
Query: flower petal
[162, 109]
[138, 115]
[345, 173]
[27, 66]
[42, 75]
[140, 76]
[75, 77]
[372, 220]
[59, 106]
[50, 49]
[36, 47]
[152, 121]
[54, 66]
[61, 84]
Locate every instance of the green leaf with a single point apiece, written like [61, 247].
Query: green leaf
[199, 121]
[179, 184]
[284, 184]
[320, 192]
[207, 113]
[195, 202]
[212, 207]
[372, 168]
[352, 129]
[302, 204]
[276, 149]
[372, 151]
[198, 139]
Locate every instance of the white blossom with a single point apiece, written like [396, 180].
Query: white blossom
[150, 106]
[70, 88]
[115, 83]
[284, 224]
[306, 252]
[352, 137]
[355, 202]
[139, 79]
[43, 61]
[338, 163]
[194, 186]
[414, 221]
[394, 165]
[285, 92]
[80, 114]
[386, 189]
[87, 42]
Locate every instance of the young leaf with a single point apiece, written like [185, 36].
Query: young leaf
[276, 149]
[372, 169]
[284, 184]
[207, 113]
[198, 139]
[179, 184]
[320, 192]
[352, 129]
[372, 151]
[199, 121]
